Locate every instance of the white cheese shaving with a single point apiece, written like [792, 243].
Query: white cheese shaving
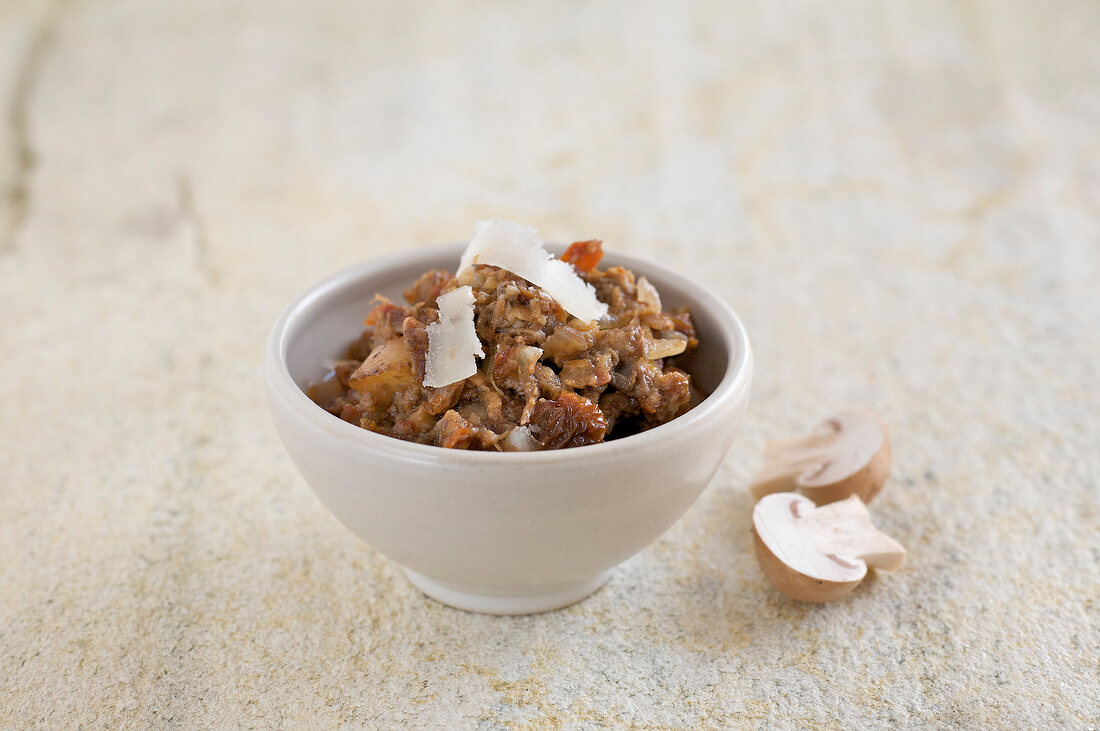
[453, 345]
[519, 249]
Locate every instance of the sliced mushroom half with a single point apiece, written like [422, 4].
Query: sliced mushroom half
[817, 554]
[846, 454]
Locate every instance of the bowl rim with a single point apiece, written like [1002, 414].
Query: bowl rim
[276, 371]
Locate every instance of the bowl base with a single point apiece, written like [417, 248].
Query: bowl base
[472, 601]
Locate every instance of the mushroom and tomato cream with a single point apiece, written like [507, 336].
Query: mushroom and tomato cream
[516, 351]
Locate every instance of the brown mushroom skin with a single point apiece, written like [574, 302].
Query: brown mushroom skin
[795, 585]
[866, 483]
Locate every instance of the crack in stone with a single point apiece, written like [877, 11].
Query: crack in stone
[185, 201]
[26, 78]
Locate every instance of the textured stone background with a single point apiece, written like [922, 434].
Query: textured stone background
[901, 199]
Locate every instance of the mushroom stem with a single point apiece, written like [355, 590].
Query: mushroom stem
[786, 459]
[844, 529]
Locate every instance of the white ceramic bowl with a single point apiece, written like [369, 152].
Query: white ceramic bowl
[504, 533]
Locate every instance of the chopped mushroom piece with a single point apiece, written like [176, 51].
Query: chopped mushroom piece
[520, 440]
[847, 454]
[386, 370]
[647, 293]
[817, 554]
[665, 347]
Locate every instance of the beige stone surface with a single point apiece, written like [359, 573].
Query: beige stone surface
[901, 199]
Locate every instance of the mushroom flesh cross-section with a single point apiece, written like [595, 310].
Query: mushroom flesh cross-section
[817, 554]
[846, 454]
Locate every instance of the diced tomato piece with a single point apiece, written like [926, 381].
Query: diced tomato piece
[584, 255]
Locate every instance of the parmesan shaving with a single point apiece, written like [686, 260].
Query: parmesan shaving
[519, 249]
[453, 345]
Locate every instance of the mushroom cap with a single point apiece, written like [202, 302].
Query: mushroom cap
[846, 454]
[817, 554]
